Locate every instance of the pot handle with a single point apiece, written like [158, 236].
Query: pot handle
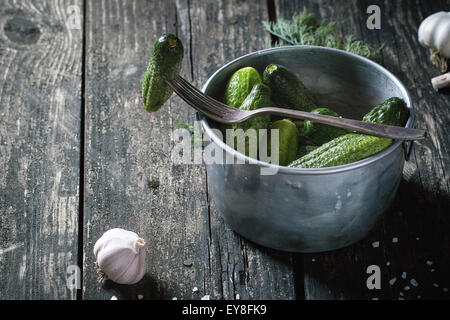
[407, 148]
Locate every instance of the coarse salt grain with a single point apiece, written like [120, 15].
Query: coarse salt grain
[195, 289]
[376, 244]
[392, 281]
[414, 282]
[114, 298]
[404, 275]
[394, 240]
[429, 262]
[205, 297]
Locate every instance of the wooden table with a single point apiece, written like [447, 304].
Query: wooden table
[78, 152]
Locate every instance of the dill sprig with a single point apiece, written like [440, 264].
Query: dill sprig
[304, 29]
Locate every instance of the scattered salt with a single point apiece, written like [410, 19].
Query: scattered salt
[375, 298]
[435, 285]
[445, 289]
[114, 298]
[404, 275]
[406, 288]
[140, 296]
[417, 238]
[174, 298]
[400, 298]
[195, 289]
[313, 260]
[394, 240]
[429, 262]
[376, 244]
[205, 297]
[432, 270]
[392, 281]
[401, 293]
[238, 296]
[414, 282]
[388, 263]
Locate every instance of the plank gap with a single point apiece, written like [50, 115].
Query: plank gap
[82, 156]
[272, 13]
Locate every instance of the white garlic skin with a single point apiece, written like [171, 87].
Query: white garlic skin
[120, 255]
[434, 32]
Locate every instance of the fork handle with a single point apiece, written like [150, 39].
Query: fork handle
[373, 129]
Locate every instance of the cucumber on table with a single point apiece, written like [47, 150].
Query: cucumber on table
[355, 146]
[287, 90]
[164, 64]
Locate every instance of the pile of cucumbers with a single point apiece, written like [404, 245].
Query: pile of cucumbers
[305, 144]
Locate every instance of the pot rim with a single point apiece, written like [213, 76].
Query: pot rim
[288, 170]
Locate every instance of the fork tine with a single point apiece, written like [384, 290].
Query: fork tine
[198, 98]
[200, 107]
[211, 102]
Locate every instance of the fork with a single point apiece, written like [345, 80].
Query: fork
[223, 113]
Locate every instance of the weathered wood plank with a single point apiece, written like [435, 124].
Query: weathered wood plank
[418, 216]
[222, 31]
[40, 103]
[127, 147]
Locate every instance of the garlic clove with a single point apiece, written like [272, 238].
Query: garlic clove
[120, 255]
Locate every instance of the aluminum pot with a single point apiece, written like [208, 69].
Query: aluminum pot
[310, 210]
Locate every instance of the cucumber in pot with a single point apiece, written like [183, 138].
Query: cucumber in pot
[304, 150]
[355, 146]
[259, 97]
[240, 85]
[287, 90]
[392, 112]
[165, 64]
[317, 134]
[342, 150]
[287, 141]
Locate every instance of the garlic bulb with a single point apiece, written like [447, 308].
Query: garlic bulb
[434, 33]
[120, 256]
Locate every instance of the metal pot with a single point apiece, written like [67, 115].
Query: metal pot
[310, 210]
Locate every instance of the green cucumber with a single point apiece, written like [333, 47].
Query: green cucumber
[259, 97]
[355, 146]
[240, 85]
[342, 150]
[317, 134]
[392, 112]
[164, 64]
[287, 141]
[287, 90]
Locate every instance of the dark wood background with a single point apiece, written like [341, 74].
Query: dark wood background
[78, 150]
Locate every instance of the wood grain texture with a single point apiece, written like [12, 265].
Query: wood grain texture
[222, 31]
[40, 103]
[418, 218]
[126, 147]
